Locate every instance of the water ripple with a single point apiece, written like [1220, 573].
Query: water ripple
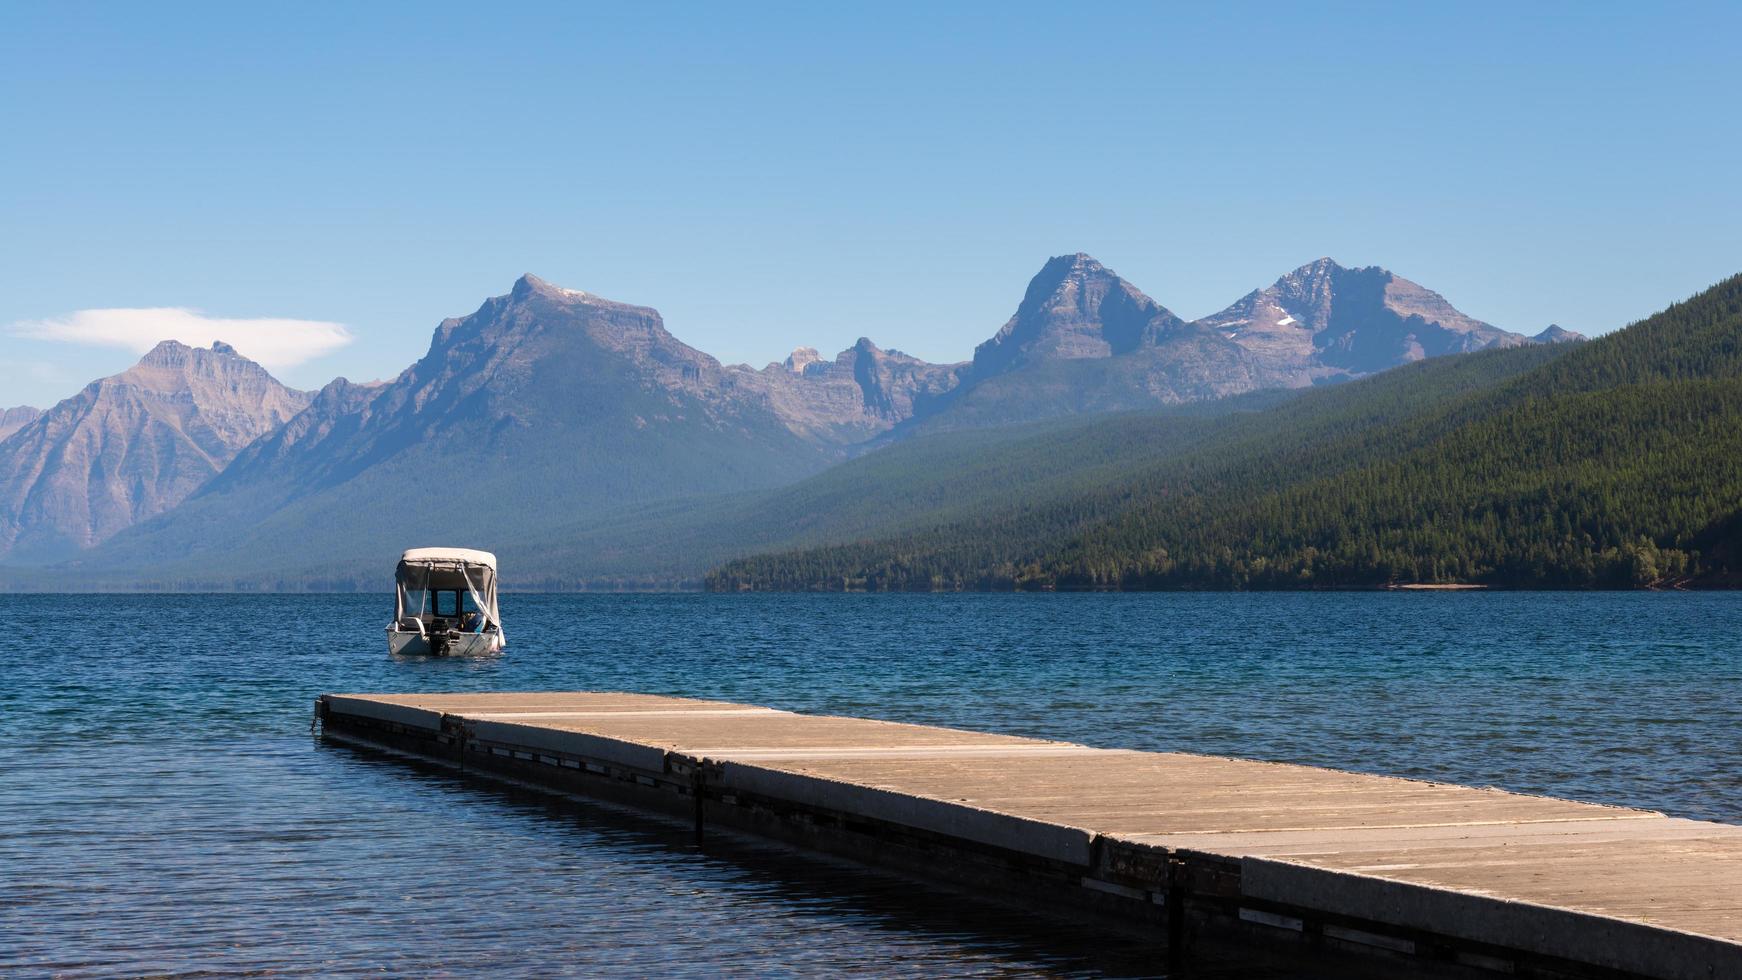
[163, 810]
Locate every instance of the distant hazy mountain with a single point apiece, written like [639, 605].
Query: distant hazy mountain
[13, 419]
[863, 392]
[132, 446]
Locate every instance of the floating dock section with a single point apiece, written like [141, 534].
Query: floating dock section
[1432, 876]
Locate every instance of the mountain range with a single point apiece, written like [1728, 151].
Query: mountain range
[1610, 464]
[1084, 340]
[548, 408]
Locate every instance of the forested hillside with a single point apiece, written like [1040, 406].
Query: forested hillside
[1616, 463]
[921, 483]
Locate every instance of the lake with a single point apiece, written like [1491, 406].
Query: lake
[164, 808]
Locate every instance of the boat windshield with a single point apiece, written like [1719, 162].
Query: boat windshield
[446, 603]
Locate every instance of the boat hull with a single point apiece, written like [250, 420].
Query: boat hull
[403, 644]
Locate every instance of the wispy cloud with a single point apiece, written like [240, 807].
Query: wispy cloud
[274, 342]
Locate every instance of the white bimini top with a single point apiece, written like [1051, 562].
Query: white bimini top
[469, 556]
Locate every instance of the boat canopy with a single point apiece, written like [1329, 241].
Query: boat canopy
[468, 555]
[446, 569]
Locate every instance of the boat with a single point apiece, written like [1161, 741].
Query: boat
[445, 604]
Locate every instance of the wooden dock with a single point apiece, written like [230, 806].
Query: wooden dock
[1430, 875]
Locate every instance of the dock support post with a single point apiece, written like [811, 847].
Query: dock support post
[458, 730]
[696, 779]
[1176, 916]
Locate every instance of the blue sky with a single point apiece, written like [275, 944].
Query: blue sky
[779, 175]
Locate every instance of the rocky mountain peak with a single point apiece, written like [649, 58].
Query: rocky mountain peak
[858, 396]
[13, 419]
[174, 353]
[1321, 269]
[1557, 334]
[801, 358]
[1079, 264]
[1068, 275]
[167, 352]
[536, 320]
[343, 389]
[130, 446]
[1316, 287]
[1326, 320]
[173, 366]
[1075, 307]
[529, 285]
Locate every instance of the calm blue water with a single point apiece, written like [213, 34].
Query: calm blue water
[163, 809]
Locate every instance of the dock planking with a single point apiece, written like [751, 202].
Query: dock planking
[1471, 878]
